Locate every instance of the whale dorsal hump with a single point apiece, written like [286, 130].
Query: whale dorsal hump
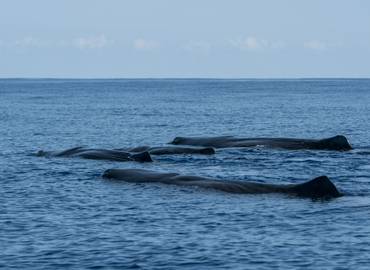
[338, 142]
[319, 187]
[142, 157]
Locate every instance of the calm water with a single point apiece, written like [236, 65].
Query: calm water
[60, 213]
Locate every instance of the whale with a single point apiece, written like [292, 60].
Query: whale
[171, 150]
[338, 143]
[98, 154]
[317, 188]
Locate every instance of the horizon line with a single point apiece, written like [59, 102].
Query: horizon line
[184, 78]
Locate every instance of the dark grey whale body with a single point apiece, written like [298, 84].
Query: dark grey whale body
[320, 187]
[99, 154]
[339, 143]
[171, 150]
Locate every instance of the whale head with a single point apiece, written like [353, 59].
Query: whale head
[177, 140]
[41, 153]
[110, 173]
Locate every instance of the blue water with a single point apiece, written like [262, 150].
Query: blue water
[60, 213]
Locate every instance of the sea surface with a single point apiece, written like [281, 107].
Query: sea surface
[59, 213]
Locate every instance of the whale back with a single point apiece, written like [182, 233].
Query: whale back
[320, 187]
[173, 150]
[139, 176]
[137, 149]
[68, 152]
[203, 141]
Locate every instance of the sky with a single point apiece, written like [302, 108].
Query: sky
[184, 39]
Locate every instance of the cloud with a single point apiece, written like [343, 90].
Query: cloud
[145, 45]
[277, 44]
[197, 46]
[31, 41]
[91, 42]
[315, 45]
[252, 43]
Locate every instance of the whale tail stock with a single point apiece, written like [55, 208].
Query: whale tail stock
[142, 157]
[319, 187]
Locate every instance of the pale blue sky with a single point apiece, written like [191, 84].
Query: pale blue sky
[189, 38]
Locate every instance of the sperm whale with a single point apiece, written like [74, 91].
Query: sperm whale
[99, 154]
[339, 142]
[320, 187]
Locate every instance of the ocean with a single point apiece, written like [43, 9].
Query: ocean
[59, 213]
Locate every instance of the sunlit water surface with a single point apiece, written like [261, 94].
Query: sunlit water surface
[60, 213]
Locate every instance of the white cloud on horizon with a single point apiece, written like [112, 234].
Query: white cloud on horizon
[197, 46]
[145, 45]
[315, 45]
[248, 43]
[91, 42]
[30, 41]
[252, 43]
